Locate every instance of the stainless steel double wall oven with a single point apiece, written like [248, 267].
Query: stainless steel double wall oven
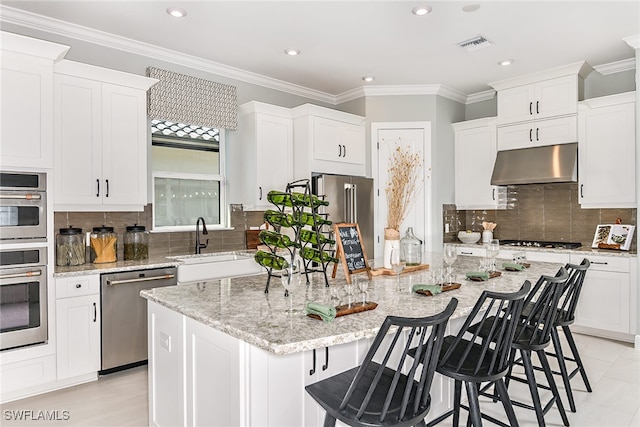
[23, 259]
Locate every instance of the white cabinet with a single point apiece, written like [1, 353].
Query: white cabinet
[100, 139]
[78, 326]
[539, 100]
[561, 130]
[475, 153]
[260, 156]
[607, 152]
[540, 108]
[26, 104]
[327, 141]
[607, 303]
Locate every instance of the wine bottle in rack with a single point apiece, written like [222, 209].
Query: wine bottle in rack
[270, 260]
[310, 200]
[279, 198]
[279, 218]
[277, 240]
[316, 255]
[308, 218]
[312, 237]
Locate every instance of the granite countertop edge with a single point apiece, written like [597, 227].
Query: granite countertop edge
[581, 250]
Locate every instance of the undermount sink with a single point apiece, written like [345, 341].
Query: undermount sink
[197, 268]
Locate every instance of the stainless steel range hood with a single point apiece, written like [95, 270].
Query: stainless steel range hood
[537, 165]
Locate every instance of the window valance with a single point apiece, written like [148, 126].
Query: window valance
[186, 99]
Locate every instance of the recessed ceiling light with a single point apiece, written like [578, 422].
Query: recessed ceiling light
[292, 52]
[368, 78]
[470, 7]
[506, 62]
[176, 12]
[421, 10]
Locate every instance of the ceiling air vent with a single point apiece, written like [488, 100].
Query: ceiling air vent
[476, 43]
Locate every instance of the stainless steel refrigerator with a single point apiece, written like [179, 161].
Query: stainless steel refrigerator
[350, 200]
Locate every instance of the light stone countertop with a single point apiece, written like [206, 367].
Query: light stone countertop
[583, 250]
[240, 308]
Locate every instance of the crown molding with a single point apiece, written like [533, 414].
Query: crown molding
[481, 96]
[633, 41]
[432, 89]
[616, 67]
[62, 28]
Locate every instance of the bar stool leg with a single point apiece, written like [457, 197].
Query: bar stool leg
[552, 385]
[474, 404]
[563, 368]
[506, 402]
[457, 395]
[576, 356]
[533, 387]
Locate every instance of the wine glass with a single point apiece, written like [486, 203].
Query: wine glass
[493, 249]
[449, 257]
[397, 263]
[363, 285]
[290, 277]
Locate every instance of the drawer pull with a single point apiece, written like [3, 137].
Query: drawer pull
[601, 263]
[466, 253]
[78, 285]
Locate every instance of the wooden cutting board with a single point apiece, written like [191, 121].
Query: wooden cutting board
[344, 309]
[389, 272]
[444, 289]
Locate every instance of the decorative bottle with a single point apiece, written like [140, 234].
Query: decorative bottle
[411, 248]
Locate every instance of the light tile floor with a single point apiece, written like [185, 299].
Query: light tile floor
[613, 368]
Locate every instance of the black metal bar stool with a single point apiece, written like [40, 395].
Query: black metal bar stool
[475, 360]
[564, 318]
[533, 334]
[379, 394]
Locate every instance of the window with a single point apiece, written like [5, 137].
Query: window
[188, 176]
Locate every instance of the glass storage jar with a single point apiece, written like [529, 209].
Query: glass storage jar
[136, 243]
[104, 245]
[70, 249]
[411, 248]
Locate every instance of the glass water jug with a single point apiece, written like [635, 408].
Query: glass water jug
[411, 248]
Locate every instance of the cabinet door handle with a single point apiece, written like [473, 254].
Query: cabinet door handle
[530, 135]
[344, 151]
[537, 107]
[537, 132]
[581, 187]
[493, 194]
[313, 370]
[339, 150]
[95, 313]
[326, 359]
[107, 181]
[98, 192]
[531, 108]
[259, 193]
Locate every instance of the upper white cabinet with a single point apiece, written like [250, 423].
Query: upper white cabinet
[539, 109]
[475, 153]
[260, 156]
[607, 152]
[100, 138]
[327, 141]
[26, 100]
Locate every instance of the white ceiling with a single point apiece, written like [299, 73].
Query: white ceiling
[341, 41]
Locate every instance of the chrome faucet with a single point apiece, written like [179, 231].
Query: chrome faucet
[200, 246]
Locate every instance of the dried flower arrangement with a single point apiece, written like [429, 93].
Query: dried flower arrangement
[402, 185]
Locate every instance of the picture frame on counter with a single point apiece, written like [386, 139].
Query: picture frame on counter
[613, 236]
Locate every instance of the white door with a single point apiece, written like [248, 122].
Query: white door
[388, 136]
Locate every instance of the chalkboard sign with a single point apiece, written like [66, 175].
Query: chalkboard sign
[350, 250]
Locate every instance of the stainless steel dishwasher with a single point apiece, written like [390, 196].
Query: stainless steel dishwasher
[124, 315]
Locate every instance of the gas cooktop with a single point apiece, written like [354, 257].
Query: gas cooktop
[541, 244]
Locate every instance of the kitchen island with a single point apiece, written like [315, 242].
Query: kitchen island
[223, 352]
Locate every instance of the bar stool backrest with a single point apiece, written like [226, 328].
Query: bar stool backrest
[494, 318]
[542, 308]
[425, 332]
[569, 299]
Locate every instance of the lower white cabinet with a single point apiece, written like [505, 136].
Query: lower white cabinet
[78, 326]
[608, 301]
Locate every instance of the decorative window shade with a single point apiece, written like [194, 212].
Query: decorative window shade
[186, 99]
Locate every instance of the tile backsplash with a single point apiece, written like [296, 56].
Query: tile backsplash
[548, 212]
[164, 244]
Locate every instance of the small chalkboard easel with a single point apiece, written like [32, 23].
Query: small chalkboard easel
[350, 250]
